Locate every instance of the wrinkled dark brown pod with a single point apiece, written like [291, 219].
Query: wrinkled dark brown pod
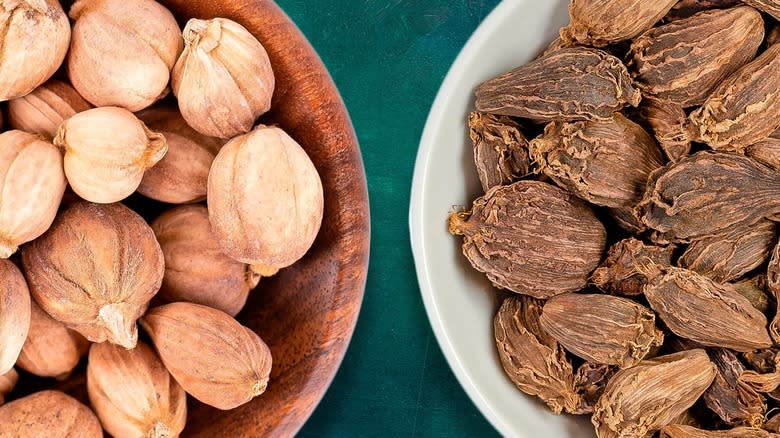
[766, 152]
[685, 60]
[590, 380]
[694, 307]
[682, 431]
[575, 83]
[773, 36]
[603, 22]
[627, 219]
[744, 109]
[773, 287]
[619, 273]
[754, 290]
[730, 255]
[686, 8]
[771, 7]
[531, 358]
[736, 403]
[531, 237]
[667, 120]
[707, 193]
[603, 162]
[500, 149]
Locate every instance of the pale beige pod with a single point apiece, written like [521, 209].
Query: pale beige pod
[32, 184]
[196, 269]
[122, 51]
[223, 79]
[213, 357]
[182, 175]
[107, 150]
[14, 314]
[51, 349]
[43, 110]
[133, 394]
[265, 198]
[7, 383]
[50, 414]
[35, 39]
[96, 270]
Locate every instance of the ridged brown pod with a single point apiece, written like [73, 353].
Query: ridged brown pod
[686, 8]
[685, 60]
[122, 51]
[620, 272]
[196, 269]
[500, 149]
[602, 329]
[732, 399]
[265, 198]
[14, 314]
[771, 7]
[576, 83]
[603, 22]
[532, 238]
[119, 270]
[7, 383]
[35, 38]
[48, 414]
[32, 183]
[133, 394]
[223, 79]
[666, 121]
[51, 349]
[183, 173]
[43, 110]
[683, 431]
[213, 357]
[604, 162]
[766, 152]
[744, 109]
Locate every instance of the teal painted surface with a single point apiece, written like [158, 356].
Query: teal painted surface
[388, 58]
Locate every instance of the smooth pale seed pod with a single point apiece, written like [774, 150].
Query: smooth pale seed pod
[196, 269]
[43, 110]
[119, 270]
[122, 51]
[51, 349]
[223, 79]
[602, 329]
[683, 431]
[107, 150]
[213, 357]
[14, 314]
[602, 22]
[36, 34]
[652, 394]
[133, 394]
[32, 183]
[265, 198]
[48, 414]
[7, 383]
[182, 175]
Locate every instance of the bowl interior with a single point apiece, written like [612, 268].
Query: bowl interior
[460, 302]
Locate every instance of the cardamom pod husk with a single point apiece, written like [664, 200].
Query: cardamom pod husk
[766, 152]
[735, 402]
[771, 7]
[667, 120]
[619, 273]
[602, 22]
[590, 380]
[682, 431]
[500, 149]
[686, 8]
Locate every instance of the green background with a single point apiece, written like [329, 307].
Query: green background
[388, 59]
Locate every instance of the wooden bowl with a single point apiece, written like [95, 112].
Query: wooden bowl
[307, 312]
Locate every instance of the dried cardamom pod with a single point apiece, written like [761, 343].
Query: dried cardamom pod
[603, 22]
[731, 254]
[132, 393]
[51, 349]
[575, 83]
[685, 60]
[627, 219]
[697, 308]
[735, 402]
[706, 193]
[48, 414]
[773, 424]
[754, 290]
[773, 36]
[14, 314]
[7, 383]
[532, 359]
[652, 394]
[686, 8]
[531, 237]
[764, 383]
[771, 7]
[43, 110]
[667, 122]
[589, 382]
[766, 152]
[500, 149]
[681, 431]
[744, 109]
[618, 273]
[605, 162]
[773, 287]
[762, 361]
[602, 329]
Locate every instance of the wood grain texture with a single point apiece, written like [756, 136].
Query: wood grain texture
[307, 312]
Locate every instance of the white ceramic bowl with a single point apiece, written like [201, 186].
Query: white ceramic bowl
[460, 302]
